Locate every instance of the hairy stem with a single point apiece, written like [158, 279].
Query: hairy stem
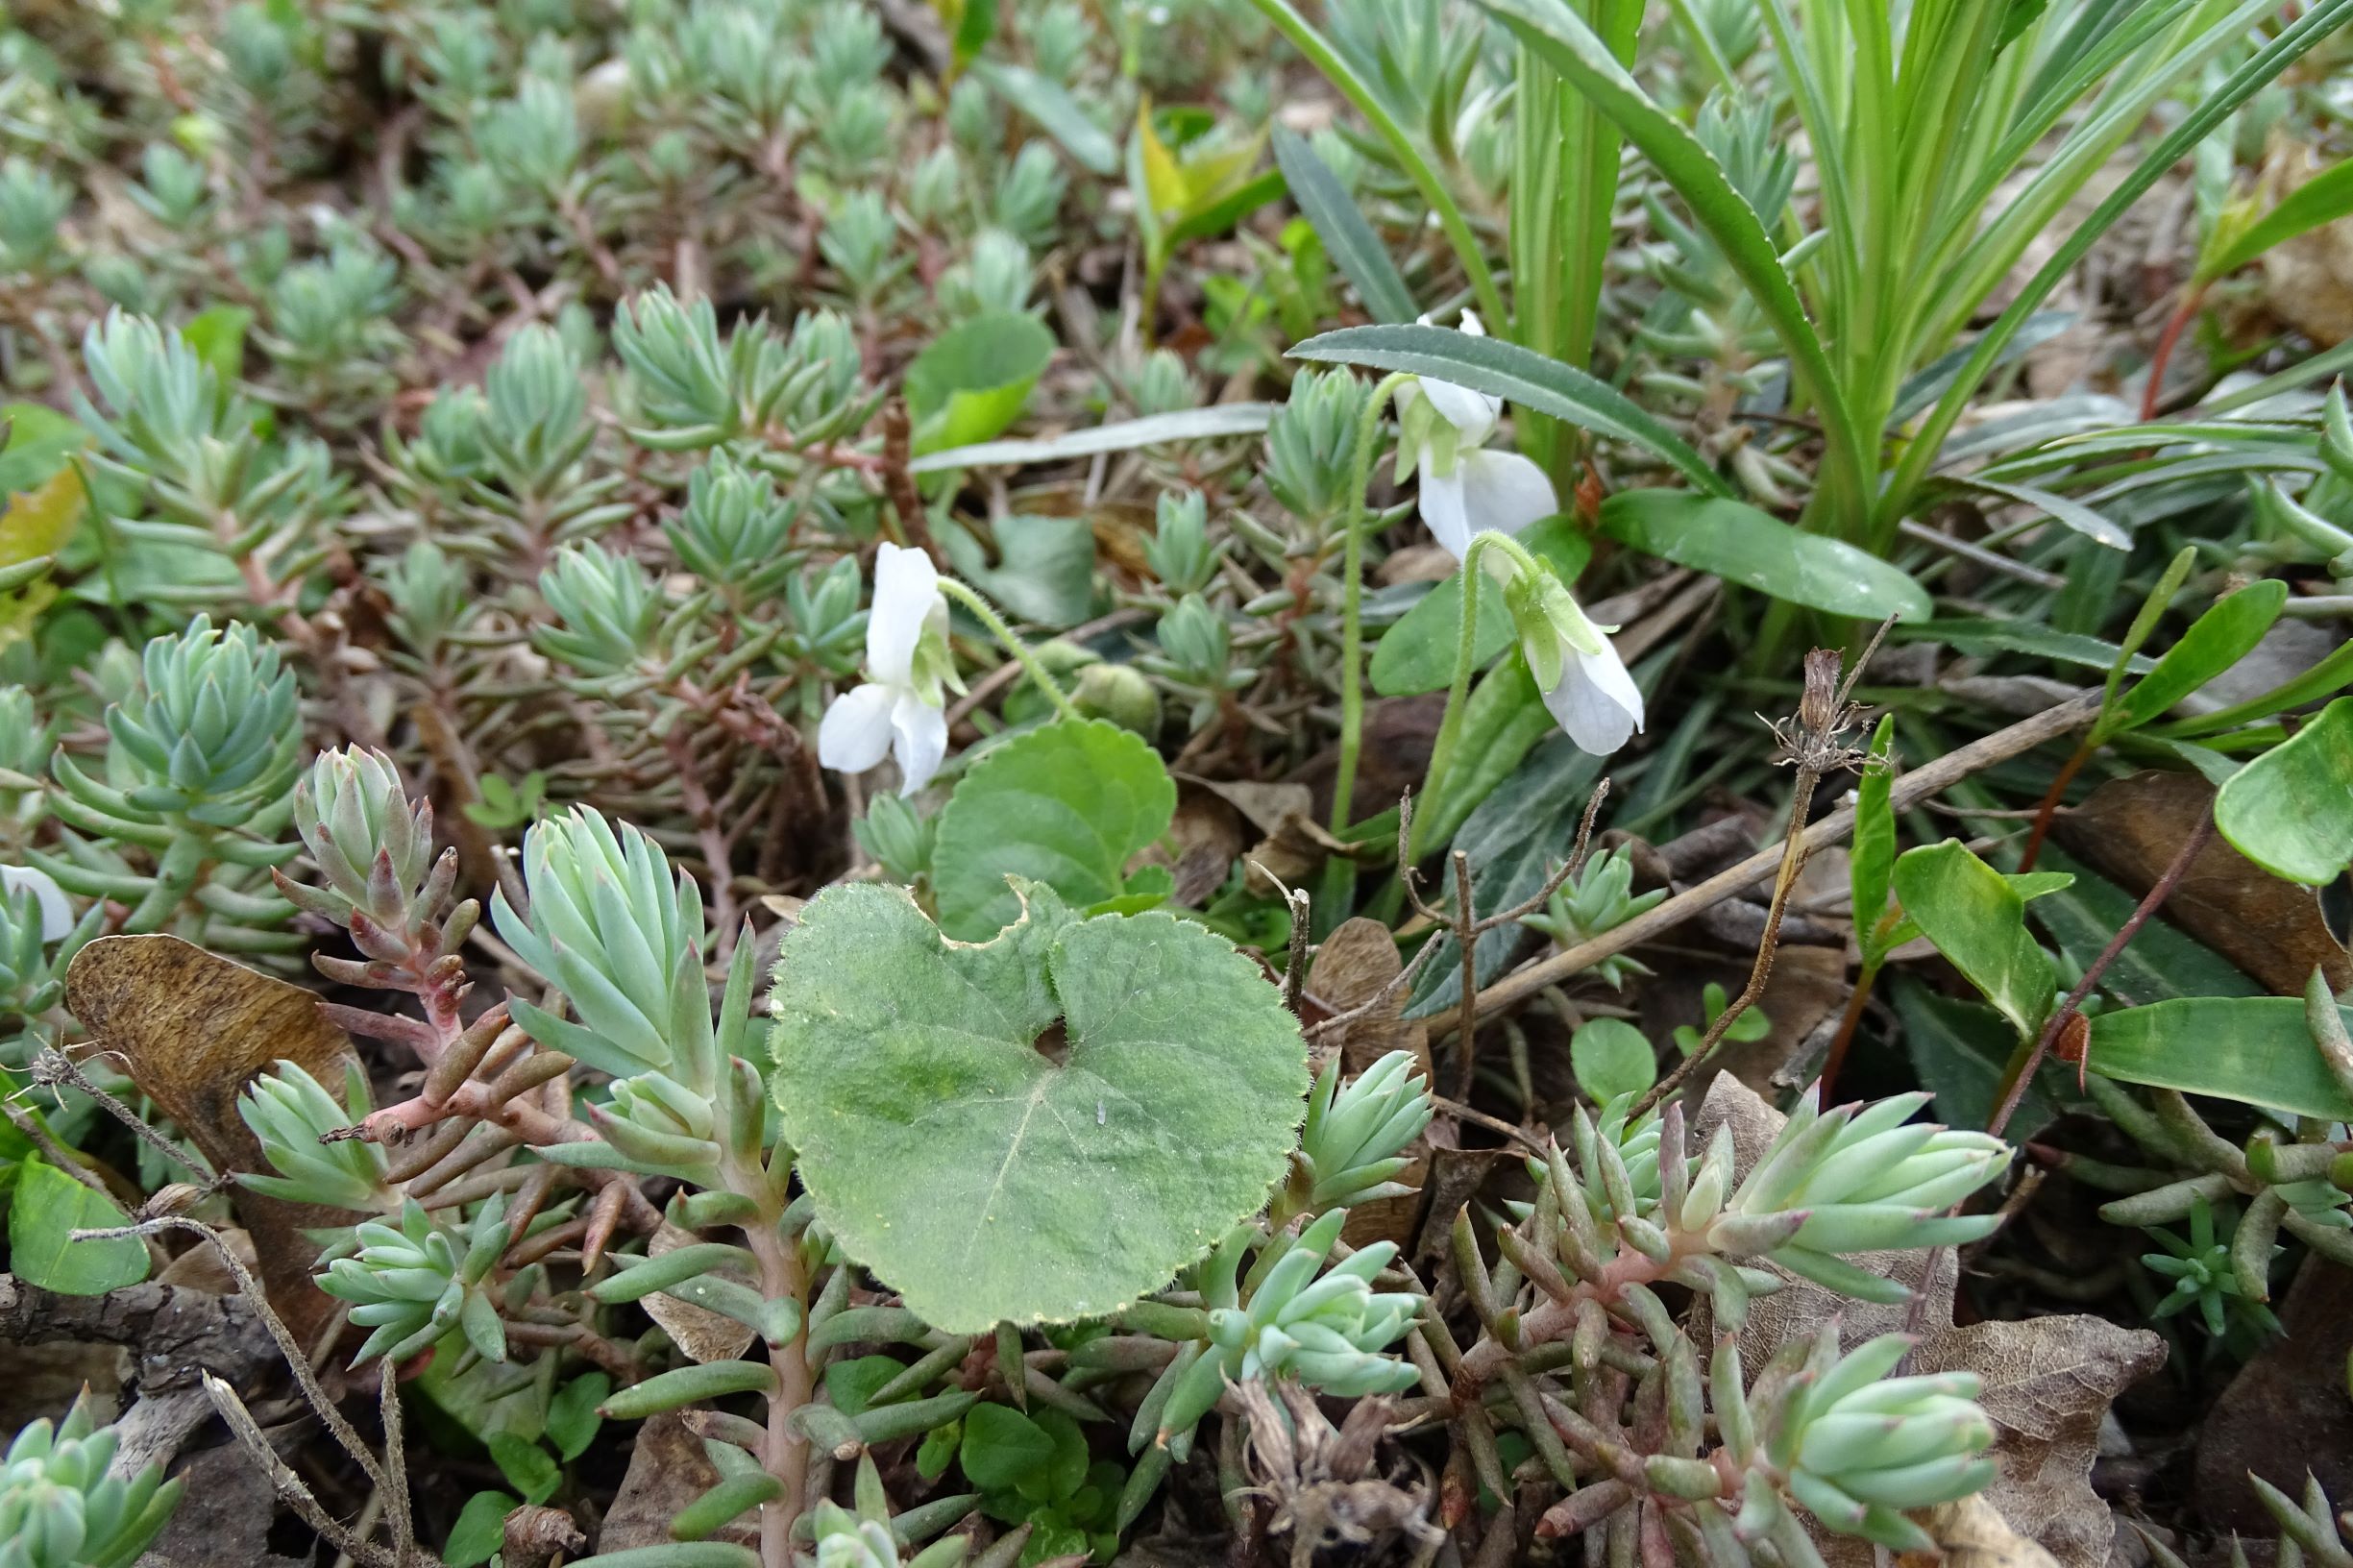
[1352, 598]
[969, 598]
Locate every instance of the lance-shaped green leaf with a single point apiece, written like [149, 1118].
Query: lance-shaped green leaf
[2291, 809]
[2255, 1049]
[1347, 237]
[1516, 374]
[2324, 198]
[1978, 921]
[1039, 1128]
[1067, 805]
[2217, 640]
[1740, 544]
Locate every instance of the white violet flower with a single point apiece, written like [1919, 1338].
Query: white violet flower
[1465, 489]
[898, 710]
[57, 913]
[1584, 683]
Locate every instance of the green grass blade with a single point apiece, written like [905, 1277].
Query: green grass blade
[1354, 248]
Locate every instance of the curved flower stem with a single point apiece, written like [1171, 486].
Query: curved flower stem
[1352, 598]
[971, 599]
[1467, 654]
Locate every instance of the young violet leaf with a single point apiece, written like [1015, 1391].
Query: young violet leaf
[1611, 1057]
[1978, 921]
[2291, 809]
[1068, 804]
[1038, 1128]
[973, 380]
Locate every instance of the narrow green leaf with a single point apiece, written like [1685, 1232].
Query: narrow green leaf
[2217, 640]
[2331, 676]
[46, 1209]
[1348, 240]
[1556, 32]
[1960, 1048]
[2004, 635]
[1978, 921]
[1068, 804]
[2158, 965]
[1055, 110]
[1417, 654]
[527, 1467]
[2072, 514]
[2291, 809]
[1224, 419]
[1871, 865]
[1503, 719]
[1740, 544]
[1518, 375]
[2255, 1049]
[2324, 198]
[688, 1386]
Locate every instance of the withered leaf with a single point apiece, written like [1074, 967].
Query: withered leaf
[702, 1334]
[1974, 1534]
[1350, 969]
[192, 1030]
[2129, 831]
[668, 1469]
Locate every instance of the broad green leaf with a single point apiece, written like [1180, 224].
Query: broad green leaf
[1959, 1050]
[1068, 805]
[1566, 42]
[1611, 1057]
[527, 1467]
[481, 1530]
[1417, 654]
[1044, 570]
[2158, 965]
[1229, 207]
[39, 521]
[2291, 809]
[2217, 640]
[1038, 1128]
[973, 380]
[1978, 921]
[1502, 719]
[48, 1206]
[970, 23]
[39, 442]
[1871, 865]
[573, 1420]
[2324, 198]
[1740, 544]
[1347, 237]
[852, 1385]
[1055, 110]
[1002, 1447]
[218, 337]
[1223, 419]
[2256, 1049]
[1518, 375]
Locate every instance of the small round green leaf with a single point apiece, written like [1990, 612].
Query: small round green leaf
[2291, 809]
[1611, 1057]
[1067, 805]
[973, 380]
[1039, 1128]
[48, 1206]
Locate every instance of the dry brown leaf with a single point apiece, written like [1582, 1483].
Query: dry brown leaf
[192, 1030]
[2285, 1412]
[1350, 969]
[1204, 840]
[668, 1469]
[702, 1334]
[2048, 1380]
[2308, 280]
[1974, 1534]
[2130, 829]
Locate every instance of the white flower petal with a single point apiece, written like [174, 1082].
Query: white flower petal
[855, 733]
[921, 742]
[906, 591]
[1504, 491]
[56, 911]
[1597, 703]
[1444, 510]
[1473, 413]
